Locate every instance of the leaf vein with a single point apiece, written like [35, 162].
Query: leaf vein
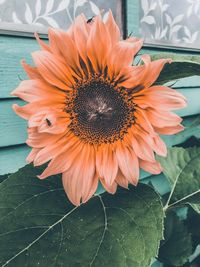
[104, 231]
[39, 237]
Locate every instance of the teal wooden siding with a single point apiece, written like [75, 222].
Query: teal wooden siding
[190, 87]
[13, 150]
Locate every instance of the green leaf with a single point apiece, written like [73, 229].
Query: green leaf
[3, 177]
[40, 227]
[177, 246]
[182, 168]
[193, 222]
[196, 122]
[181, 67]
[196, 207]
[190, 142]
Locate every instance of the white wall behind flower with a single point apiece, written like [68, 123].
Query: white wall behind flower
[172, 20]
[54, 13]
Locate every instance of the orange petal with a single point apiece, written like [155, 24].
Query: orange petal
[153, 70]
[62, 162]
[161, 102]
[112, 28]
[80, 182]
[159, 90]
[128, 163]
[50, 121]
[32, 90]
[154, 143]
[32, 155]
[170, 130]
[98, 45]
[143, 121]
[32, 72]
[29, 110]
[121, 180]
[42, 44]
[106, 163]
[142, 148]
[110, 188]
[159, 146]
[151, 167]
[53, 70]
[81, 35]
[62, 45]
[54, 125]
[40, 140]
[91, 189]
[35, 119]
[144, 75]
[23, 112]
[133, 76]
[52, 150]
[160, 118]
[160, 96]
[122, 55]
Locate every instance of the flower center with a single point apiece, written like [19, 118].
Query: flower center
[101, 113]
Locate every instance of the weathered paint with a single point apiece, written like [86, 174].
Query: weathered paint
[13, 128]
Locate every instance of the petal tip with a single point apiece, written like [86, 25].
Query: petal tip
[41, 177]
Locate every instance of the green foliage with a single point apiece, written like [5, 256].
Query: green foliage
[3, 177]
[40, 227]
[177, 246]
[182, 168]
[193, 223]
[196, 207]
[181, 67]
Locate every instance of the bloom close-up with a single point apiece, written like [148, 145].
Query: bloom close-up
[92, 115]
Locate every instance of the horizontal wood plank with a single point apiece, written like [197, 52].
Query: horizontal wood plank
[12, 51]
[13, 128]
[133, 17]
[193, 106]
[192, 128]
[13, 157]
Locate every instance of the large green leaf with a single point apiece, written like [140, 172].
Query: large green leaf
[182, 168]
[181, 67]
[40, 227]
[193, 223]
[196, 207]
[177, 246]
[3, 177]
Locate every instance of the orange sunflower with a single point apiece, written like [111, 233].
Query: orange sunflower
[91, 114]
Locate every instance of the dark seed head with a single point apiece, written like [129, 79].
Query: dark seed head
[100, 112]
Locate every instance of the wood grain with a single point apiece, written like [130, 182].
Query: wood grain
[12, 127]
[192, 128]
[133, 17]
[12, 51]
[13, 157]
